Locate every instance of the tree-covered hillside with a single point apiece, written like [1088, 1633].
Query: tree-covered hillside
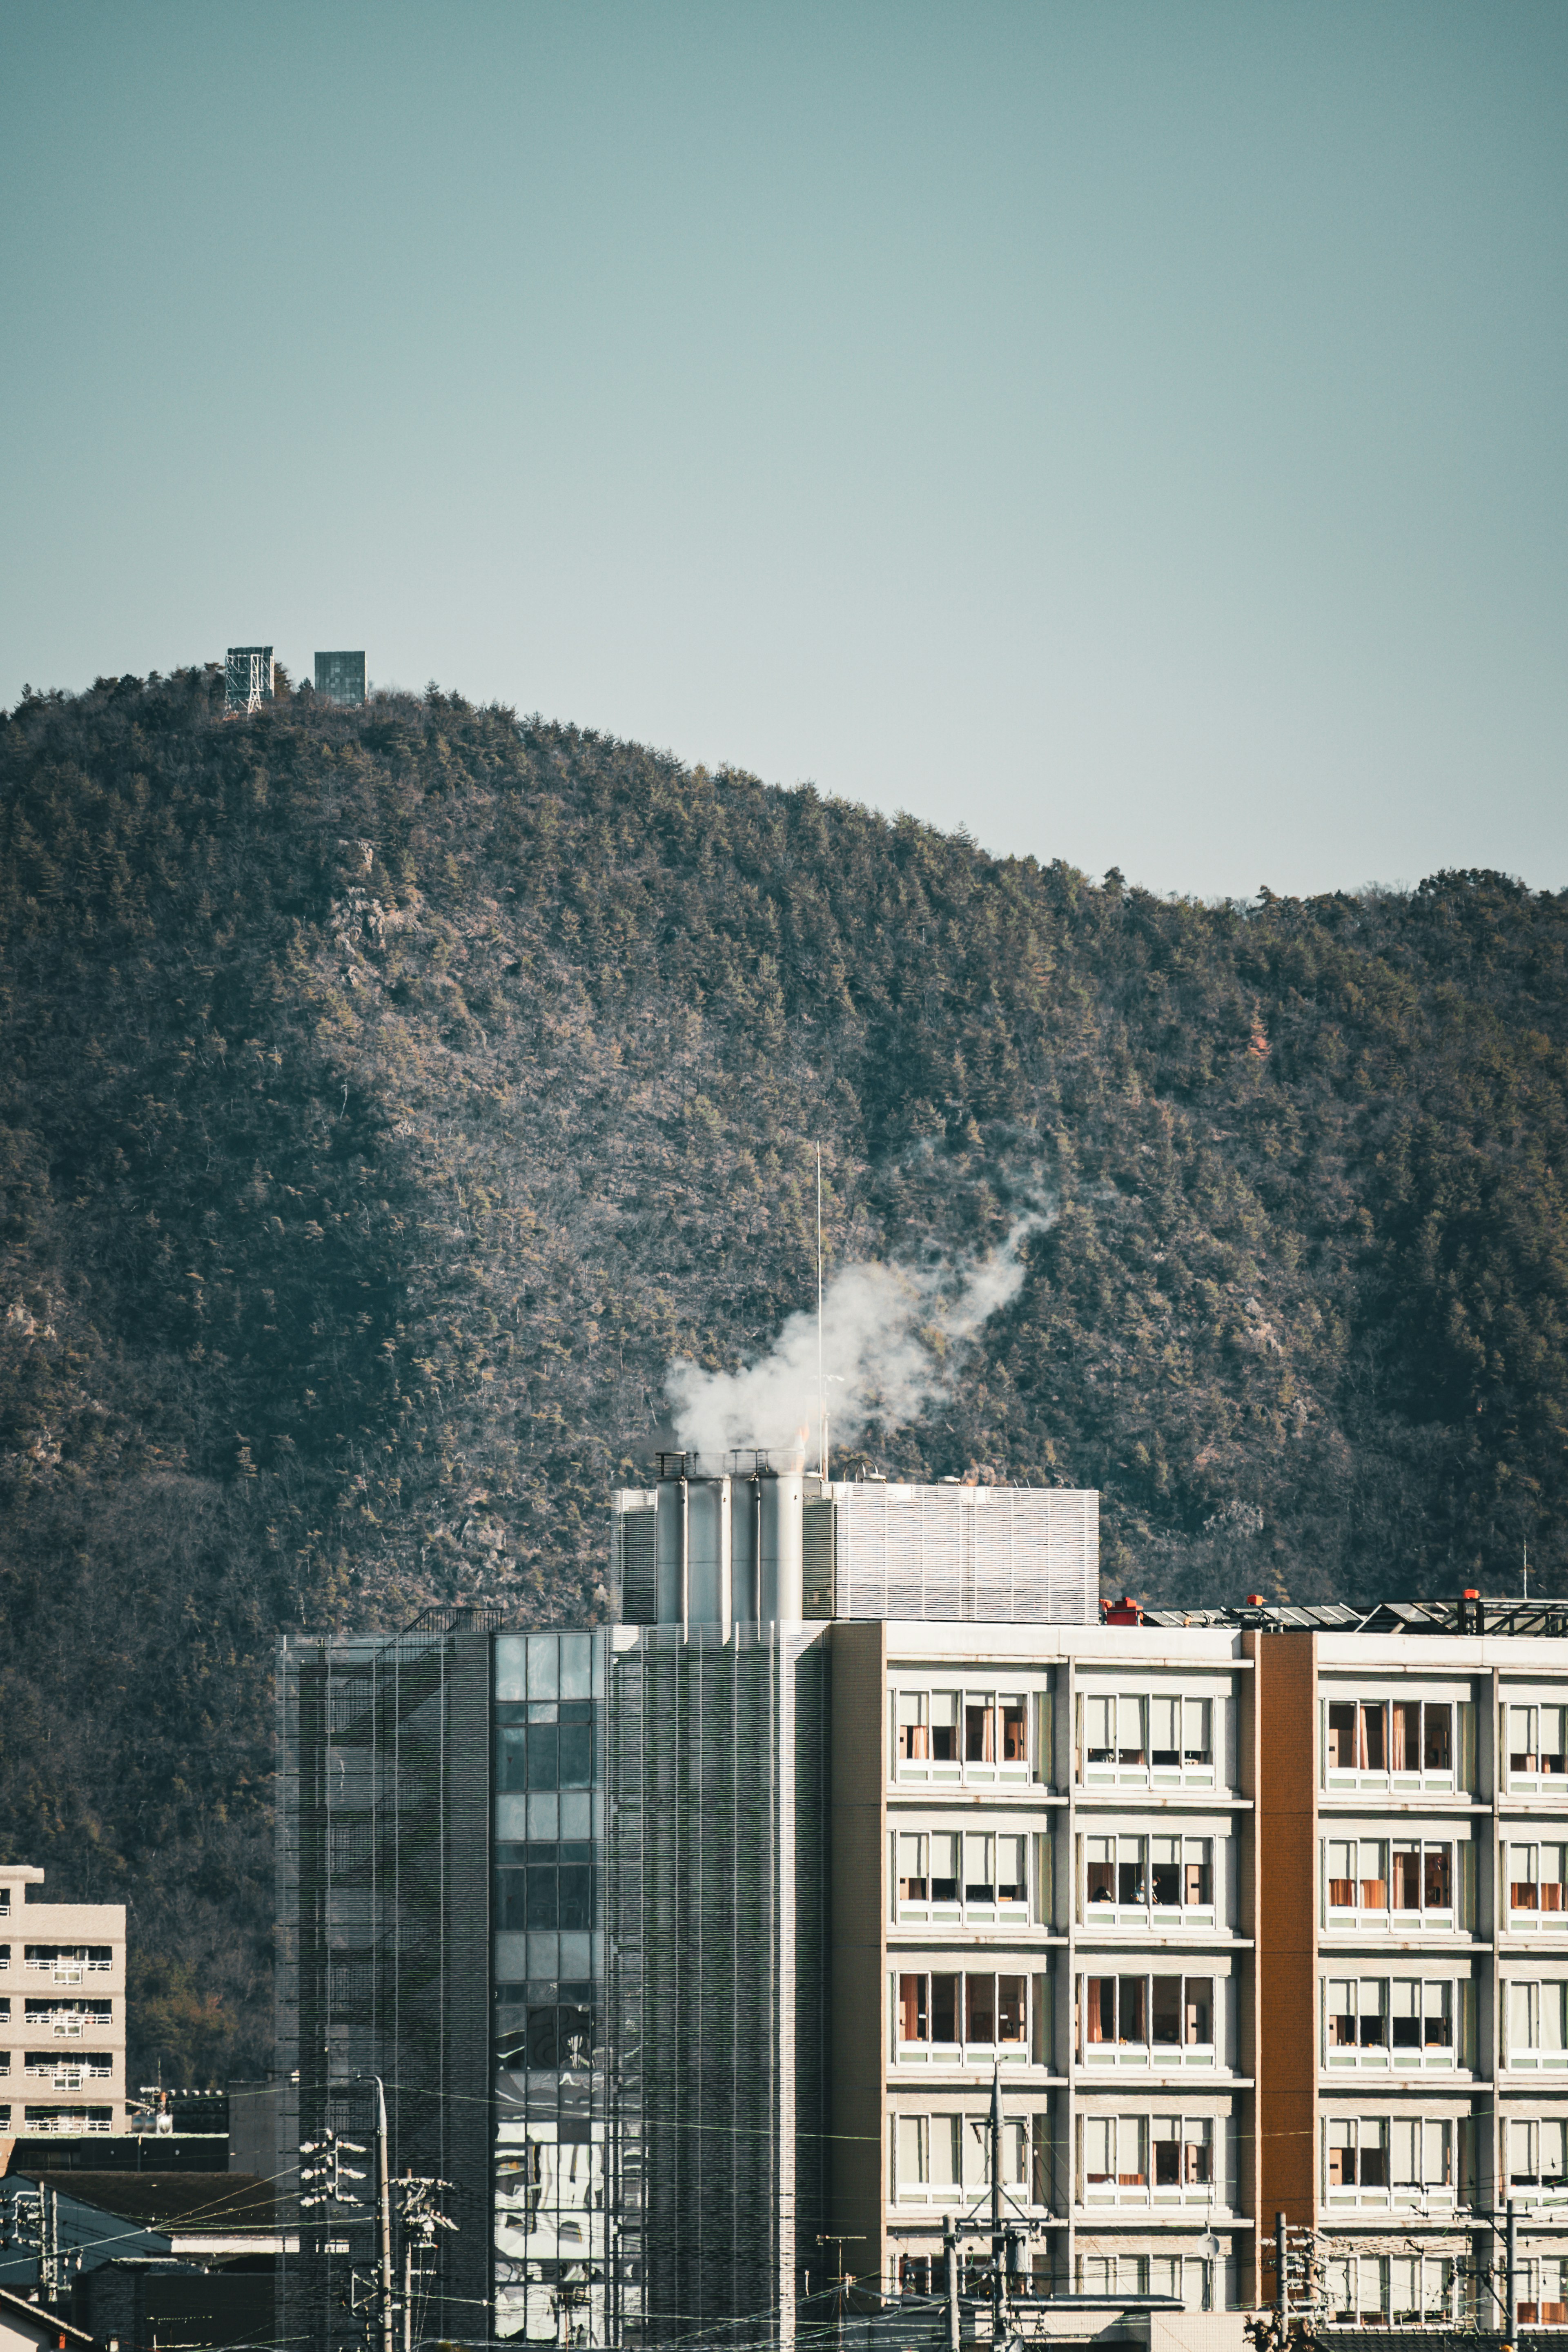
[388, 1094]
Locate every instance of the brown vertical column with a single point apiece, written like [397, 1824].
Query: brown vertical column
[858, 1950]
[1286, 1929]
[1250, 2183]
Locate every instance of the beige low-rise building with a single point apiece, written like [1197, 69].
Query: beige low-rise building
[62, 2012]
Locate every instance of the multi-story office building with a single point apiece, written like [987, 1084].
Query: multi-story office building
[1412, 1954]
[1059, 1896]
[62, 2013]
[689, 1943]
[566, 1893]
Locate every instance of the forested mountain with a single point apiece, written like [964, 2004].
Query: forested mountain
[390, 1094]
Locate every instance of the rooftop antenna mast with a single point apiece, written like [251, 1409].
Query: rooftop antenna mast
[821, 1361]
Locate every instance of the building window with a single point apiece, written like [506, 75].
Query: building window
[1187, 2275]
[978, 1738]
[972, 1875]
[1535, 1879]
[1537, 2013]
[945, 2016]
[929, 2158]
[67, 2020]
[1378, 2023]
[48, 2123]
[1160, 2160]
[1389, 2160]
[68, 2069]
[1128, 1880]
[546, 1744]
[1407, 1881]
[68, 1963]
[1544, 2301]
[548, 1885]
[1388, 1744]
[557, 2038]
[1182, 2152]
[937, 2156]
[1374, 2290]
[1143, 2020]
[1537, 2157]
[1146, 1739]
[1533, 1744]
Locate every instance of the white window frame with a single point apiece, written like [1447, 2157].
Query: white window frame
[927, 2124]
[1531, 1997]
[1341, 1780]
[1442, 2290]
[1113, 1912]
[1536, 1919]
[1385, 1919]
[1131, 2140]
[1386, 2058]
[1532, 2187]
[1112, 1772]
[1436, 2144]
[1534, 2298]
[1533, 1779]
[911, 1703]
[1150, 2056]
[912, 1911]
[962, 2052]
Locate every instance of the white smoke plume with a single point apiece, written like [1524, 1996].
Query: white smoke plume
[891, 1339]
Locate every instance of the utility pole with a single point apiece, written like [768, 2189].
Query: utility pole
[23, 2230]
[384, 2215]
[998, 2242]
[841, 2283]
[1512, 2319]
[950, 2277]
[1281, 2281]
[418, 2221]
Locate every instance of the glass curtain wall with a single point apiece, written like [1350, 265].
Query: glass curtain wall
[551, 2219]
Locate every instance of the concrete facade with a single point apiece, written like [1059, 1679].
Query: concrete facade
[1415, 1962]
[1260, 1911]
[62, 2013]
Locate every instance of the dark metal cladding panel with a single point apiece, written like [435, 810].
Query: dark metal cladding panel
[716, 1928]
[819, 1554]
[465, 2041]
[636, 1532]
[383, 1936]
[340, 677]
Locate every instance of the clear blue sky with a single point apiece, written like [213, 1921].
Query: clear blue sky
[1136, 432]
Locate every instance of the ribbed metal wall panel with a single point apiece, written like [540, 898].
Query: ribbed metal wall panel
[995, 1555]
[634, 1555]
[717, 1765]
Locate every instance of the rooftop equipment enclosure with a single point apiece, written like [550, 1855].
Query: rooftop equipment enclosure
[341, 677]
[248, 677]
[765, 1546]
